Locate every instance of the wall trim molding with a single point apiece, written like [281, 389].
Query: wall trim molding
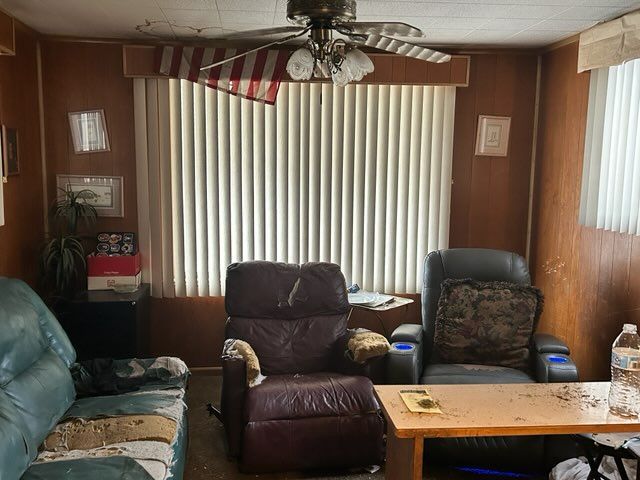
[534, 152]
[43, 140]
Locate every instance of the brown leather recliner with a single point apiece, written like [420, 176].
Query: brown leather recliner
[310, 411]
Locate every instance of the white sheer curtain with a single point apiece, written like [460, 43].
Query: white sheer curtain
[359, 176]
[610, 196]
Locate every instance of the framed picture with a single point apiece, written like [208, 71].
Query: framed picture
[493, 136]
[109, 194]
[89, 131]
[10, 159]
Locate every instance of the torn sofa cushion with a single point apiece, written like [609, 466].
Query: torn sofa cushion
[239, 348]
[80, 434]
[486, 323]
[364, 345]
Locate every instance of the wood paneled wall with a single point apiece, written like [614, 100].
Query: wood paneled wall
[490, 195]
[23, 232]
[84, 76]
[489, 199]
[591, 278]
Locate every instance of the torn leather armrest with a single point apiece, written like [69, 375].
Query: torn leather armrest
[112, 377]
[365, 345]
[552, 361]
[372, 367]
[235, 348]
[405, 360]
[234, 389]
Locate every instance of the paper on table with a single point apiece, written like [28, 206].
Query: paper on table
[419, 401]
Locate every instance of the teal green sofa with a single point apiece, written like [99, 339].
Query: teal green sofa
[40, 386]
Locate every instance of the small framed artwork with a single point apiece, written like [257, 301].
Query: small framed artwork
[10, 159]
[493, 136]
[89, 131]
[109, 194]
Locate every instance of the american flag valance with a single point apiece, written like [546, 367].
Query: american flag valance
[255, 76]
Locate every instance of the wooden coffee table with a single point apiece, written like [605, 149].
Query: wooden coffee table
[493, 410]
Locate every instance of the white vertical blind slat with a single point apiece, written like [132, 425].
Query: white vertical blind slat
[293, 175]
[177, 217]
[359, 180]
[188, 188]
[213, 219]
[303, 239]
[370, 197]
[414, 188]
[223, 182]
[610, 195]
[359, 175]
[200, 184]
[282, 145]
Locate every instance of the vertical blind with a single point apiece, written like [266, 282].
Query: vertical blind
[357, 175]
[610, 195]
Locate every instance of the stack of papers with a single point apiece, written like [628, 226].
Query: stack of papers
[369, 299]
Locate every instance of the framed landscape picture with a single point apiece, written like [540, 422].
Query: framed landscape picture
[109, 195]
[10, 158]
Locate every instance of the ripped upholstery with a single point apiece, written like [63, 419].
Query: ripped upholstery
[234, 348]
[365, 345]
[80, 434]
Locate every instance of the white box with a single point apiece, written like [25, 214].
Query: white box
[107, 283]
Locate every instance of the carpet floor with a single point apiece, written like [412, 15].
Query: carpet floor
[206, 458]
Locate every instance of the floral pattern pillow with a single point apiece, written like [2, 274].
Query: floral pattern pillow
[486, 323]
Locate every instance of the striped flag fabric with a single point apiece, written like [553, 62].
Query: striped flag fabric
[255, 76]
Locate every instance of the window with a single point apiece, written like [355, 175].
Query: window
[360, 176]
[610, 196]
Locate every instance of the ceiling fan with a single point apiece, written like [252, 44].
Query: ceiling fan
[322, 56]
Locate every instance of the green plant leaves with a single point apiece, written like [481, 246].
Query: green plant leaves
[62, 259]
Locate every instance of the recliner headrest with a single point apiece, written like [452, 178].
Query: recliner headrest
[260, 289]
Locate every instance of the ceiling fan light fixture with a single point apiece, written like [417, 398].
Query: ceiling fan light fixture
[358, 64]
[301, 64]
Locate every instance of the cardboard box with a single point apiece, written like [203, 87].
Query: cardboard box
[108, 282]
[105, 266]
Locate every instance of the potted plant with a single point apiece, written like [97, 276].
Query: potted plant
[62, 261]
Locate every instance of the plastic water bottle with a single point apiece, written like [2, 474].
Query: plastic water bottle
[624, 395]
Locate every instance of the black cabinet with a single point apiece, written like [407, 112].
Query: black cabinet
[106, 324]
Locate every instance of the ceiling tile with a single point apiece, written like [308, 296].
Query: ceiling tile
[488, 36]
[457, 23]
[454, 22]
[589, 13]
[248, 5]
[510, 24]
[252, 18]
[535, 38]
[533, 11]
[193, 18]
[188, 4]
[476, 10]
[445, 36]
[390, 9]
[566, 25]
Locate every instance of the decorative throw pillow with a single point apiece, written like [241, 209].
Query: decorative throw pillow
[241, 349]
[486, 323]
[364, 345]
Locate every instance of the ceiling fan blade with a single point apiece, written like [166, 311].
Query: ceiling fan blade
[263, 32]
[396, 29]
[262, 47]
[400, 47]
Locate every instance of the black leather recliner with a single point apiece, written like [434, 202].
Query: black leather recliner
[418, 365]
